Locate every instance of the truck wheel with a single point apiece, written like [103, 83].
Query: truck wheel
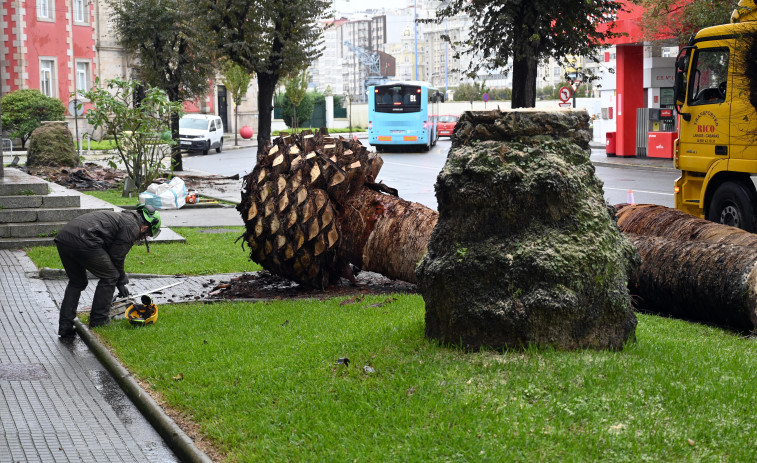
[207, 148]
[220, 146]
[732, 204]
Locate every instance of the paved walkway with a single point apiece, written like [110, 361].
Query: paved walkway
[57, 402]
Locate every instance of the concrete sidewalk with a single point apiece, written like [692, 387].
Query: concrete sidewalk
[600, 158]
[57, 401]
[68, 400]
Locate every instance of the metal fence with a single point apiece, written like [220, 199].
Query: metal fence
[8, 145]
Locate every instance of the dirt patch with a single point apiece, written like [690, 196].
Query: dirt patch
[90, 176]
[266, 285]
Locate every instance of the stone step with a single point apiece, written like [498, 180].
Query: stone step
[35, 201]
[23, 189]
[15, 216]
[18, 243]
[16, 182]
[30, 230]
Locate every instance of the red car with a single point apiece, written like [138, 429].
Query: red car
[445, 125]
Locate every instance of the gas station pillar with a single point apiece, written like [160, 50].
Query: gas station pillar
[629, 94]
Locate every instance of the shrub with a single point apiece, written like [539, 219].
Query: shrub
[52, 144]
[24, 111]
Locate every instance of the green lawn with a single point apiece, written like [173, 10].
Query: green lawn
[203, 254]
[261, 381]
[113, 196]
[97, 145]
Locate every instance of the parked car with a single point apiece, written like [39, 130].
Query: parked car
[445, 125]
[201, 132]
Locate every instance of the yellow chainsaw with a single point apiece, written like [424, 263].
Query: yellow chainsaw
[121, 304]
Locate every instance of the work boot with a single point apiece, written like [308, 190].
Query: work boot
[66, 332]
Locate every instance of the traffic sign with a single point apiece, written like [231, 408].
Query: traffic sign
[565, 93]
[486, 97]
[565, 105]
[75, 107]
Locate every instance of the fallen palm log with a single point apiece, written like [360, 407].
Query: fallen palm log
[655, 220]
[692, 268]
[695, 280]
[312, 209]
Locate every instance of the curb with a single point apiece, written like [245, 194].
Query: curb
[176, 439]
[634, 166]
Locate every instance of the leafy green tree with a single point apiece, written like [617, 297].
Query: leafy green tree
[296, 87]
[471, 92]
[547, 91]
[173, 54]
[673, 18]
[271, 38]
[500, 94]
[303, 112]
[24, 110]
[527, 32]
[136, 127]
[237, 81]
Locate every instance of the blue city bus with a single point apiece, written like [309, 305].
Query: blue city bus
[403, 114]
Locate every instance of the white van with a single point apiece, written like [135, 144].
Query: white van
[201, 132]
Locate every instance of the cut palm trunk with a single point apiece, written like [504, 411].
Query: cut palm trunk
[694, 280]
[692, 268]
[311, 210]
[655, 220]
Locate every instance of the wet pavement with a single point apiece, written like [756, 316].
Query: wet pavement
[57, 401]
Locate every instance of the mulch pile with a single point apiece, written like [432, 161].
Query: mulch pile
[266, 285]
[90, 176]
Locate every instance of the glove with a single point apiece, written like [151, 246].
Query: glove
[122, 291]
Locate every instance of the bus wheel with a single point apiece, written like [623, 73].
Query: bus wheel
[733, 204]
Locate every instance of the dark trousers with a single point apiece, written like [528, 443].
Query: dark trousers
[76, 262]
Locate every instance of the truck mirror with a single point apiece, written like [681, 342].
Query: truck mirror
[679, 85]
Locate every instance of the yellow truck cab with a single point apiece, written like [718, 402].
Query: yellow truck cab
[716, 150]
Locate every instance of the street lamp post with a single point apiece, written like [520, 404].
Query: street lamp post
[446, 58]
[415, 24]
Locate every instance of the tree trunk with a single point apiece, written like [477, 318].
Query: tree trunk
[692, 268]
[654, 220]
[266, 86]
[311, 209]
[236, 124]
[524, 82]
[375, 222]
[694, 280]
[176, 160]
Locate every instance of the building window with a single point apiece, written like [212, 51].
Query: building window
[47, 76]
[83, 81]
[669, 52]
[45, 9]
[81, 8]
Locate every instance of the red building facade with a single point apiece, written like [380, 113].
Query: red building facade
[48, 45]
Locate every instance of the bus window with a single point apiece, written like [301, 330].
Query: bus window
[398, 98]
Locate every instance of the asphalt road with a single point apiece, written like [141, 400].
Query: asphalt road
[414, 174]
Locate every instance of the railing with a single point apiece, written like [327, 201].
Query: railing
[8, 145]
[89, 142]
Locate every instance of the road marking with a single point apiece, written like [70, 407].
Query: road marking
[640, 191]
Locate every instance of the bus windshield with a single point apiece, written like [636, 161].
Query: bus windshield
[398, 98]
